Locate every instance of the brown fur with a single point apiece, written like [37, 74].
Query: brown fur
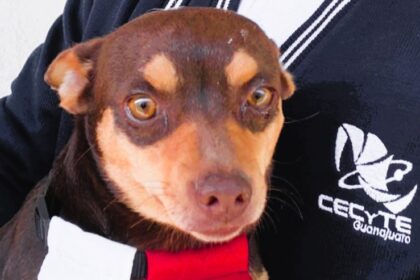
[134, 181]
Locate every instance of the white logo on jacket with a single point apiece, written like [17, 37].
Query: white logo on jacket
[372, 164]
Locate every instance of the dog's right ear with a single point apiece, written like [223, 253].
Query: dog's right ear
[70, 75]
[288, 85]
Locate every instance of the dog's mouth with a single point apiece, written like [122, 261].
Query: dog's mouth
[209, 230]
[221, 234]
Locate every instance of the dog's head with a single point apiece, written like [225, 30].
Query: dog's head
[184, 108]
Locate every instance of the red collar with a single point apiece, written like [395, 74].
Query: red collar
[227, 261]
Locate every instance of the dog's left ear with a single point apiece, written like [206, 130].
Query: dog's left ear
[287, 85]
[70, 74]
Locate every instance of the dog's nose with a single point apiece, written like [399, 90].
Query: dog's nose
[223, 196]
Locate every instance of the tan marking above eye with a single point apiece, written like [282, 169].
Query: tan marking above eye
[160, 72]
[141, 107]
[241, 69]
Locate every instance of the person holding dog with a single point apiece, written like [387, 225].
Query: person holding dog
[350, 145]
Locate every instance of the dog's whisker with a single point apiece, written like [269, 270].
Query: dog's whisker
[290, 196]
[83, 154]
[292, 121]
[115, 200]
[287, 182]
[135, 223]
[288, 193]
[165, 183]
[260, 226]
[109, 204]
[298, 159]
[293, 206]
[151, 196]
[265, 224]
[280, 162]
[267, 215]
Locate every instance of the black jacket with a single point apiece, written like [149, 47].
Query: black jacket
[351, 145]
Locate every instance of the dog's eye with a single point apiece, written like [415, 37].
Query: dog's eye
[260, 98]
[142, 107]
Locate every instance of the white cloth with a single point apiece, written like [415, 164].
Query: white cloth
[278, 18]
[76, 254]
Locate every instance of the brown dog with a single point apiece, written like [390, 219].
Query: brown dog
[177, 116]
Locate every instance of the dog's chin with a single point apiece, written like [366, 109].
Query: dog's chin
[207, 231]
[217, 236]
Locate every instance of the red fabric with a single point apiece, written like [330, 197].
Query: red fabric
[227, 261]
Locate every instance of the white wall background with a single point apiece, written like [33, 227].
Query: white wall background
[23, 26]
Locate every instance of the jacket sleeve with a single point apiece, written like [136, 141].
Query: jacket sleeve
[30, 117]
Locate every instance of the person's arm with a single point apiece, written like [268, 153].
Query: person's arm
[30, 117]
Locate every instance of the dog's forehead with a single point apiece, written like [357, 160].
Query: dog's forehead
[198, 25]
[184, 40]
